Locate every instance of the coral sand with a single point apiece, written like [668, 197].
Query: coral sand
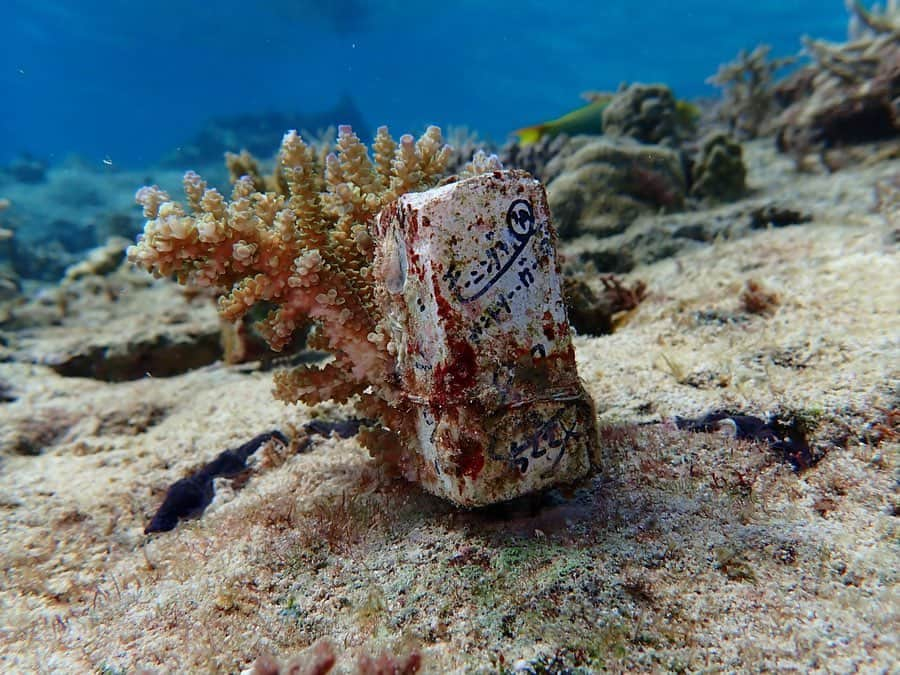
[688, 551]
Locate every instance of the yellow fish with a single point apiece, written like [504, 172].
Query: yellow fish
[587, 119]
[687, 114]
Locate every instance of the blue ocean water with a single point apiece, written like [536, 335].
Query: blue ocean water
[126, 82]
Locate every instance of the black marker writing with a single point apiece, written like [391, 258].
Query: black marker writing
[499, 257]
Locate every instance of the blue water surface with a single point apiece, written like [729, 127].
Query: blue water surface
[127, 81]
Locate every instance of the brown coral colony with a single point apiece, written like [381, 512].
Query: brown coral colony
[305, 248]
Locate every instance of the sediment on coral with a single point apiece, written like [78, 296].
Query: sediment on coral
[605, 185]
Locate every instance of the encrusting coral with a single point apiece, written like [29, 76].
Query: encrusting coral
[302, 247]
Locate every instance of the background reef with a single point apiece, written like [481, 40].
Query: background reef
[733, 278]
[129, 83]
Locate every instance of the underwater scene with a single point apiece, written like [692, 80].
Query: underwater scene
[392, 338]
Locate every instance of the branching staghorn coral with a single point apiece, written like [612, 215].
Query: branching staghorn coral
[851, 90]
[861, 59]
[302, 247]
[748, 101]
[865, 23]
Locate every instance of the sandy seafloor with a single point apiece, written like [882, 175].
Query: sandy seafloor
[688, 552]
